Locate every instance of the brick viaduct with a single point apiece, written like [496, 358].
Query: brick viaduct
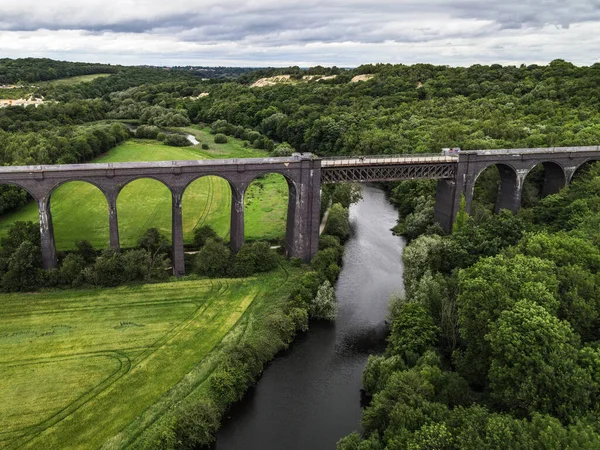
[304, 174]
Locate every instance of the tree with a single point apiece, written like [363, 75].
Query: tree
[220, 138]
[534, 364]
[337, 222]
[213, 259]
[23, 269]
[489, 287]
[177, 140]
[202, 234]
[413, 332]
[153, 241]
[324, 305]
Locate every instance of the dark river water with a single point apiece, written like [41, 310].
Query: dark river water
[309, 397]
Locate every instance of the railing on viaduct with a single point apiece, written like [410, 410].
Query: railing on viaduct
[304, 173]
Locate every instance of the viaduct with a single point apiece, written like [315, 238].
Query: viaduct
[456, 175]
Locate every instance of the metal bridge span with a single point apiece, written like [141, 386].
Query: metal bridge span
[304, 173]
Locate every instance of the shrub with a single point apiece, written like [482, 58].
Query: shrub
[71, 270]
[196, 425]
[147, 132]
[161, 137]
[108, 269]
[324, 305]
[202, 234]
[254, 257]
[338, 223]
[153, 241]
[284, 149]
[23, 265]
[85, 249]
[214, 259]
[177, 140]
[220, 138]
[204, 146]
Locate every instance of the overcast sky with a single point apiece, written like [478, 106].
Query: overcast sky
[303, 33]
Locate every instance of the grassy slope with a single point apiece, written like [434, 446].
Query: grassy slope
[79, 210]
[70, 81]
[78, 367]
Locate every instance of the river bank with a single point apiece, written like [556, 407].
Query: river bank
[310, 396]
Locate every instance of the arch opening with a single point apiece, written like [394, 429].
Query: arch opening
[496, 187]
[267, 204]
[79, 212]
[546, 178]
[582, 170]
[207, 202]
[142, 204]
[16, 205]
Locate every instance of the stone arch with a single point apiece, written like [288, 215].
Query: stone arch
[79, 211]
[582, 168]
[270, 207]
[143, 202]
[509, 186]
[214, 198]
[543, 179]
[23, 186]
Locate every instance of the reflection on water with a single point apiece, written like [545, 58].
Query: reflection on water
[310, 396]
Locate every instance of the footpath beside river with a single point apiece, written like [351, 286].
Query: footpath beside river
[309, 397]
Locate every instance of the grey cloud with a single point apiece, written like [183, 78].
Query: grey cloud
[284, 23]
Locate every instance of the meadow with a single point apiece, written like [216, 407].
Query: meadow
[80, 211]
[80, 367]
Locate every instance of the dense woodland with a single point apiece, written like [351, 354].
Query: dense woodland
[496, 343]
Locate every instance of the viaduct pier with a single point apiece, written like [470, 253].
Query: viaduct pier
[304, 173]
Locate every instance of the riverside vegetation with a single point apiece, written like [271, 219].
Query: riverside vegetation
[495, 344]
[453, 381]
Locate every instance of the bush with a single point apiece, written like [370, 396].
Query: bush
[214, 259]
[202, 234]
[204, 146]
[196, 425]
[254, 257]
[177, 140]
[71, 271]
[220, 138]
[23, 269]
[153, 241]
[147, 132]
[86, 250]
[324, 305]
[161, 137]
[338, 223]
[284, 149]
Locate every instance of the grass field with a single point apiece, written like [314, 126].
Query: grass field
[75, 80]
[83, 367]
[79, 210]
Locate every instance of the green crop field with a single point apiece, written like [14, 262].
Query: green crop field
[80, 367]
[80, 211]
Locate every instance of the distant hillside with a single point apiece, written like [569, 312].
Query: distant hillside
[29, 70]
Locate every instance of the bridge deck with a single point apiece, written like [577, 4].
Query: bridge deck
[369, 160]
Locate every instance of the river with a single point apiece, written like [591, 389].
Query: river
[310, 397]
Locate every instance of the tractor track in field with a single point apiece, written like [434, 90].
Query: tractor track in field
[22, 436]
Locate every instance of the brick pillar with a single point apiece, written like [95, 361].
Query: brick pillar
[113, 222]
[236, 231]
[304, 205]
[177, 233]
[47, 234]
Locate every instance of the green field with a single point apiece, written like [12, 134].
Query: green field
[79, 210]
[76, 80]
[81, 367]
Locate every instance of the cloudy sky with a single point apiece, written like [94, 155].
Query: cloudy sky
[305, 33]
